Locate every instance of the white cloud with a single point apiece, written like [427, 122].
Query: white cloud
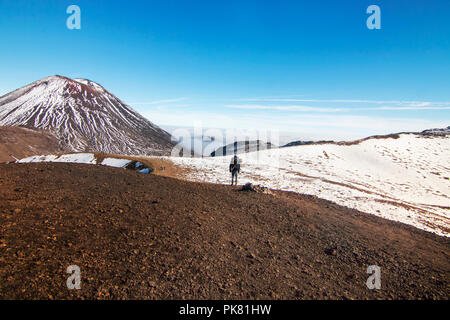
[395, 102]
[303, 126]
[286, 108]
[165, 101]
[335, 122]
[298, 108]
[399, 108]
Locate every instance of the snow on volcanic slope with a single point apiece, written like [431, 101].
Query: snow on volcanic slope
[83, 116]
[404, 179]
[90, 158]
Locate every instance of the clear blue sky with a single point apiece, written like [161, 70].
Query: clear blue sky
[300, 66]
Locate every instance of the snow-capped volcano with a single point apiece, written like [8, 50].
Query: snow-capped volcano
[83, 116]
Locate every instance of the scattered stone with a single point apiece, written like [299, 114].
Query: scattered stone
[255, 188]
[331, 251]
[251, 256]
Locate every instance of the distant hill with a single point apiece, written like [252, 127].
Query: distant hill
[439, 132]
[242, 147]
[428, 132]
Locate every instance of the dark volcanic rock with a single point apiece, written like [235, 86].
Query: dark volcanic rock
[254, 188]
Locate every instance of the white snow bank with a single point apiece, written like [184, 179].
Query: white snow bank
[86, 158]
[115, 162]
[49, 158]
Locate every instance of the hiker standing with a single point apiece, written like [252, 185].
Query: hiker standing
[235, 168]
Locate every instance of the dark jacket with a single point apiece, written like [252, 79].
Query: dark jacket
[235, 165]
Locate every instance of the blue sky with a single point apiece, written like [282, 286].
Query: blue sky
[312, 68]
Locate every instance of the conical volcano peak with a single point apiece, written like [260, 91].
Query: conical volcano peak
[90, 84]
[73, 86]
[83, 116]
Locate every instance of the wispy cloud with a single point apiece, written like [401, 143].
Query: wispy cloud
[305, 118]
[164, 101]
[300, 108]
[399, 108]
[311, 126]
[394, 102]
[285, 108]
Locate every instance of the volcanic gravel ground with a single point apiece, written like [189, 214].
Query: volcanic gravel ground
[139, 236]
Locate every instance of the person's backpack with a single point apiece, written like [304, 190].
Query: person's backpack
[235, 165]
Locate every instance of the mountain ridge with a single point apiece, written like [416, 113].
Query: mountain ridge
[427, 132]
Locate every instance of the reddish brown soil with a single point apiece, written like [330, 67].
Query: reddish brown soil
[160, 166]
[138, 236]
[22, 142]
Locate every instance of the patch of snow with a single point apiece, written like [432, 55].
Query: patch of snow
[137, 164]
[87, 158]
[114, 162]
[49, 158]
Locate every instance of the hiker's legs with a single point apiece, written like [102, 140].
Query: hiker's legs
[234, 178]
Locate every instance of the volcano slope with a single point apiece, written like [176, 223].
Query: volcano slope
[139, 236]
[16, 142]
